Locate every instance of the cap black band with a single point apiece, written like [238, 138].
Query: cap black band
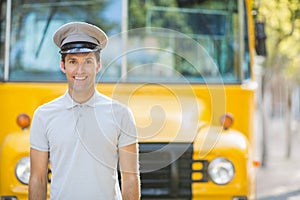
[81, 47]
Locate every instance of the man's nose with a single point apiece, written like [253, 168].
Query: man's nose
[80, 67]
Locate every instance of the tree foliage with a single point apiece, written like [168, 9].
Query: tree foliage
[282, 18]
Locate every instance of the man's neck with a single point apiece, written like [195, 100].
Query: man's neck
[81, 96]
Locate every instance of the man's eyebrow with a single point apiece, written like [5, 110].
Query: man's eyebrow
[72, 58]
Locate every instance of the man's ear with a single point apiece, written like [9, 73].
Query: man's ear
[62, 66]
[98, 67]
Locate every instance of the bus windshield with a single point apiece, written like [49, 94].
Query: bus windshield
[149, 41]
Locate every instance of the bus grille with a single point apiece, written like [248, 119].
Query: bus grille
[166, 170]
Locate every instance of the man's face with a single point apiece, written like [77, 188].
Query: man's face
[81, 70]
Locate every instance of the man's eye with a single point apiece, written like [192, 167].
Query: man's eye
[72, 62]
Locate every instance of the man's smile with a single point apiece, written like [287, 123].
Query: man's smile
[79, 78]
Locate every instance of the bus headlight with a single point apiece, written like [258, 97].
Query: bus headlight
[23, 170]
[221, 171]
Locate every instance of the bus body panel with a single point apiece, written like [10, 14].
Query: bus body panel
[207, 136]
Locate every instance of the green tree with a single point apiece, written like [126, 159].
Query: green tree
[282, 18]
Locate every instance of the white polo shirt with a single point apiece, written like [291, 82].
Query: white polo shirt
[83, 141]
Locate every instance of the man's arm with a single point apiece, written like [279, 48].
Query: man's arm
[38, 175]
[129, 166]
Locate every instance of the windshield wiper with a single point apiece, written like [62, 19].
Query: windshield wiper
[53, 11]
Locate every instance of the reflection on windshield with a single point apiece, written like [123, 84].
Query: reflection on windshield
[194, 41]
[152, 54]
[204, 43]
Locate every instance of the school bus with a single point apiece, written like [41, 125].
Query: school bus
[185, 68]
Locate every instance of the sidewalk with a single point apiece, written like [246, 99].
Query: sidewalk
[280, 178]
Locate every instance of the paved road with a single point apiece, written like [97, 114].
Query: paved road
[280, 178]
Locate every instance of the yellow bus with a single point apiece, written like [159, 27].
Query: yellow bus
[185, 68]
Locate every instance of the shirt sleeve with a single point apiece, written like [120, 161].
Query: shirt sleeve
[38, 137]
[128, 133]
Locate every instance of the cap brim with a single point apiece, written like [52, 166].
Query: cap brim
[79, 50]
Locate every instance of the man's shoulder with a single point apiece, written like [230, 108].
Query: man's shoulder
[103, 99]
[55, 104]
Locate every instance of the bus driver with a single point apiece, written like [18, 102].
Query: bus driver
[83, 133]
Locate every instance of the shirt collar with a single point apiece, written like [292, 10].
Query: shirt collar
[70, 103]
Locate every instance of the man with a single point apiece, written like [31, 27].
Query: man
[83, 133]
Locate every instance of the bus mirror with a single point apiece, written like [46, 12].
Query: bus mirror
[260, 38]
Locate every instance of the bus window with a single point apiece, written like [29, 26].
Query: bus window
[215, 25]
[33, 55]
